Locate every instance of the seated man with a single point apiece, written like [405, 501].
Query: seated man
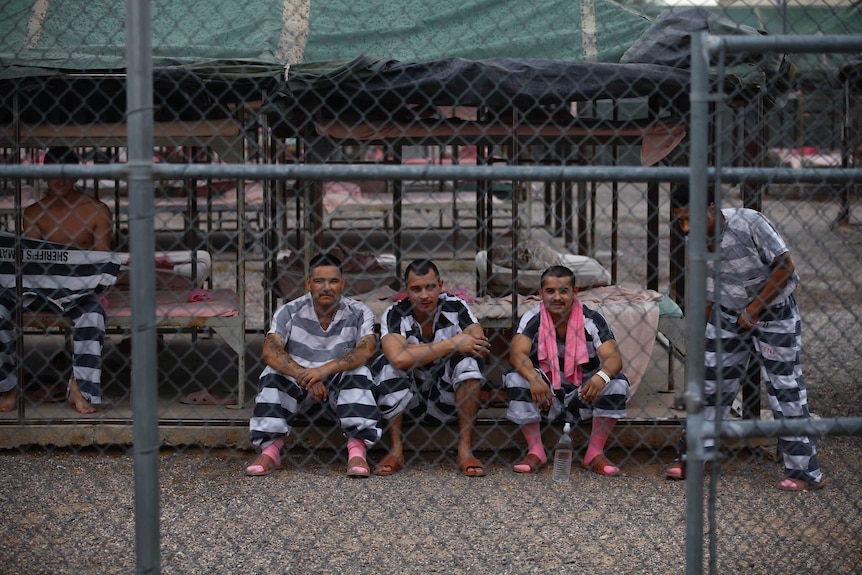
[70, 217]
[431, 346]
[567, 367]
[316, 351]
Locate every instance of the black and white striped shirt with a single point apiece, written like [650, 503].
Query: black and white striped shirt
[749, 245]
[596, 330]
[452, 317]
[310, 345]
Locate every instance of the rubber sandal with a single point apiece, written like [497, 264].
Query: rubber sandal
[389, 465]
[264, 461]
[204, 397]
[472, 467]
[357, 467]
[676, 470]
[796, 484]
[532, 461]
[598, 465]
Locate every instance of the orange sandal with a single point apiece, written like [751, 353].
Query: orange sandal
[796, 484]
[532, 461]
[358, 467]
[389, 465]
[266, 463]
[599, 464]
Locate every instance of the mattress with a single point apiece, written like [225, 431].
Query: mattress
[174, 270]
[363, 272]
[589, 273]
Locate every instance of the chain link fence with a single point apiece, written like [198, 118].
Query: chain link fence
[170, 171]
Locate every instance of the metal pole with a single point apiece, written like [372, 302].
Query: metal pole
[695, 310]
[139, 94]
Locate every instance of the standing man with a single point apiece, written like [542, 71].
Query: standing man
[567, 367]
[755, 314]
[316, 351]
[67, 216]
[432, 345]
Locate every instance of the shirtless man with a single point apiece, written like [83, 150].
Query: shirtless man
[67, 216]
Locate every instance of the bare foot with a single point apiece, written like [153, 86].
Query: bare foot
[78, 400]
[9, 400]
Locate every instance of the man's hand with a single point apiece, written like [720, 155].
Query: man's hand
[469, 344]
[310, 377]
[543, 395]
[592, 389]
[747, 319]
[317, 392]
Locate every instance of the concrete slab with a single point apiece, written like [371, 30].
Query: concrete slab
[188, 364]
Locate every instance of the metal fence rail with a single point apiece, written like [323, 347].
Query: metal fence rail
[545, 182]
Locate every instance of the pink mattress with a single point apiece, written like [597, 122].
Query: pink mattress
[224, 303]
[170, 304]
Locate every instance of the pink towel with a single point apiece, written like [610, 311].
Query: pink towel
[463, 293]
[576, 346]
[198, 295]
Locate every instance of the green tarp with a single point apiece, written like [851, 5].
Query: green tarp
[258, 37]
[418, 30]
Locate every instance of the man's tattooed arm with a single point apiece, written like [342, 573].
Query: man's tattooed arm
[360, 354]
[275, 356]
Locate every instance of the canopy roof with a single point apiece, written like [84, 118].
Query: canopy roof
[365, 85]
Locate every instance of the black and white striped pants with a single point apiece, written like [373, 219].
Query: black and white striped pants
[425, 393]
[776, 342]
[350, 400]
[88, 337]
[567, 404]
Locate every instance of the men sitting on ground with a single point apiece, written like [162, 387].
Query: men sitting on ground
[430, 367]
[65, 215]
[316, 351]
[567, 367]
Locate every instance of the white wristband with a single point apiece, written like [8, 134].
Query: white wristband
[604, 376]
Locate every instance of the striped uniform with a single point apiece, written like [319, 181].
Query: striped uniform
[88, 336]
[567, 405]
[428, 391]
[350, 397]
[749, 245]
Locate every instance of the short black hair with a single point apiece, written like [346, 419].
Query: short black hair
[680, 196]
[324, 260]
[61, 155]
[558, 272]
[420, 268]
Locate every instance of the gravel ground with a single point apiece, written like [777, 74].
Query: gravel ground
[72, 511]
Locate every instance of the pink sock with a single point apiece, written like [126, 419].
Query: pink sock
[355, 448]
[533, 434]
[273, 450]
[602, 427]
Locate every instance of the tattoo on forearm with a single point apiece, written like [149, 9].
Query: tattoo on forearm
[352, 356]
[349, 357]
[276, 348]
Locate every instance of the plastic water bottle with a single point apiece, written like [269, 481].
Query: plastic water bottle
[563, 453]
